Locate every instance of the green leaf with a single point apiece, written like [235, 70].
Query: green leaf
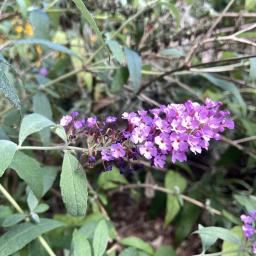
[30, 171]
[134, 65]
[33, 123]
[234, 249]
[42, 106]
[173, 52]
[110, 180]
[117, 51]
[249, 202]
[32, 201]
[138, 243]
[185, 221]
[165, 250]
[73, 186]
[22, 7]
[253, 69]
[120, 78]
[250, 5]
[207, 239]
[129, 252]
[47, 43]
[89, 18]
[7, 151]
[60, 131]
[227, 86]
[49, 176]
[41, 208]
[173, 181]
[80, 245]
[20, 235]
[40, 23]
[7, 89]
[13, 219]
[221, 233]
[100, 238]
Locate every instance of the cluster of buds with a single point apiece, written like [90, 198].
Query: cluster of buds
[172, 130]
[249, 228]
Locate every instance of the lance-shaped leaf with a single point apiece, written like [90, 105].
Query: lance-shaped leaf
[7, 151]
[33, 123]
[20, 235]
[73, 186]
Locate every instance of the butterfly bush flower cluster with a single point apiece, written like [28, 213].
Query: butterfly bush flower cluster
[167, 131]
[249, 228]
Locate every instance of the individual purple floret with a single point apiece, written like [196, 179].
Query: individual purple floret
[249, 228]
[43, 71]
[66, 120]
[91, 121]
[111, 119]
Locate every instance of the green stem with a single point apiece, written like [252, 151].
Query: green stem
[120, 29]
[19, 209]
[58, 147]
[60, 78]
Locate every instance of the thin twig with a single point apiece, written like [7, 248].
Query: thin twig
[19, 209]
[167, 191]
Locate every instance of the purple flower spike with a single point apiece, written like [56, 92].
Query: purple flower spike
[111, 119]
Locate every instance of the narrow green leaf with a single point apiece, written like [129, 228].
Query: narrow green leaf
[89, 18]
[100, 238]
[30, 171]
[110, 180]
[7, 89]
[253, 69]
[221, 233]
[73, 186]
[13, 219]
[234, 249]
[41, 208]
[32, 201]
[249, 202]
[165, 250]
[60, 131]
[117, 51]
[49, 176]
[173, 181]
[207, 239]
[33, 123]
[227, 86]
[120, 78]
[173, 52]
[129, 252]
[40, 23]
[80, 245]
[20, 235]
[42, 106]
[47, 43]
[138, 243]
[22, 7]
[7, 151]
[134, 65]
